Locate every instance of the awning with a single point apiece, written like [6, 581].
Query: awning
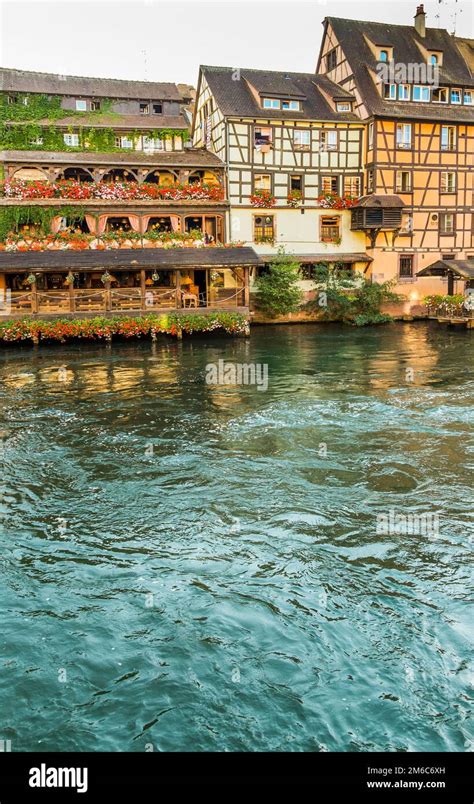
[379, 201]
[304, 259]
[128, 259]
[463, 269]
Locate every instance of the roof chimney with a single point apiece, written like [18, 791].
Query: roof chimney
[420, 21]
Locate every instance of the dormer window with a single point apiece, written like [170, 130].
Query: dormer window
[468, 97]
[293, 106]
[271, 103]
[403, 92]
[421, 94]
[436, 59]
[390, 91]
[440, 95]
[344, 107]
[455, 96]
[383, 55]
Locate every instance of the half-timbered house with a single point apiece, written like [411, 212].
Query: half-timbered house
[413, 87]
[89, 165]
[292, 144]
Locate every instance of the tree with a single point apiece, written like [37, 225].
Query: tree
[278, 293]
[351, 298]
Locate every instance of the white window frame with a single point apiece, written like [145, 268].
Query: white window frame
[468, 93]
[448, 147]
[423, 91]
[81, 105]
[404, 143]
[72, 140]
[260, 176]
[370, 137]
[404, 92]
[447, 230]
[124, 143]
[152, 144]
[399, 181]
[452, 95]
[304, 135]
[350, 180]
[444, 181]
[392, 93]
[343, 107]
[271, 103]
[445, 93]
[291, 105]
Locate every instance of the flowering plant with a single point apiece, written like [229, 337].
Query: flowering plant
[263, 198]
[106, 277]
[331, 201]
[294, 198]
[110, 191]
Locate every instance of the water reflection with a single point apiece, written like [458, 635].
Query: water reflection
[211, 552]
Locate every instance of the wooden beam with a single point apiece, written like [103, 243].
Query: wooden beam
[178, 289]
[143, 288]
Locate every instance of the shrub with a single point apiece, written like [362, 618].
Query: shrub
[278, 293]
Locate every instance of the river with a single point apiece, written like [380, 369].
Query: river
[201, 567]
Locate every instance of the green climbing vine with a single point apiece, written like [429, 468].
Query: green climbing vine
[13, 217]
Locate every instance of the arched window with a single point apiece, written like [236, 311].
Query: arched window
[434, 58]
[383, 55]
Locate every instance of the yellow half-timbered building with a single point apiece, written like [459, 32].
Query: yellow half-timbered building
[414, 88]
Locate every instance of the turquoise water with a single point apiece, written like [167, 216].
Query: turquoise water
[196, 567]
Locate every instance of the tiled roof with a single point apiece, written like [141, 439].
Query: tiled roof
[461, 268]
[407, 48]
[115, 121]
[205, 257]
[236, 99]
[12, 80]
[189, 157]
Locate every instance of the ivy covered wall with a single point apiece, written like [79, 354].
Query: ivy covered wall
[21, 129]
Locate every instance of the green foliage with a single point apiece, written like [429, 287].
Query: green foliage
[278, 293]
[351, 298]
[20, 127]
[13, 217]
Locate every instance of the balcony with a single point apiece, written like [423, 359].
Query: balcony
[113, 190]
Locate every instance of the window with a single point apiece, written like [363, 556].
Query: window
[263, 136]
[331, 60]
[262, 181]
[81, 106]
[447, 223]
[271, 103]
[403, 92]
[330, 228]
[95, 106]
[37, 141]
[448, 182]
[370, 180]
[302, 139]
[344, 107]
[144, 108]
[330, 184]
[434, 58]
[440, 95]
[71, 139]
[390, 91]
[296, 184]
[123, 142]
[157, 108]
[421, 93]
[405, 266]
[468, 97]
[12, 99]
[383, 56]
[448, 138]
[152, 144]
[293, 105]
[403, 183]
[264, 229]
[352, 186]
[328, 140]
[455, 96]
[403, 135]
[370, 142]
